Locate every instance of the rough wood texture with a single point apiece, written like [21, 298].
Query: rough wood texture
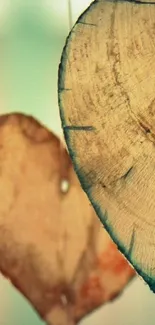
[52, 246]
[107, 107]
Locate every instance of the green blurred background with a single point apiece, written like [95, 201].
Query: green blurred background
[30, 86]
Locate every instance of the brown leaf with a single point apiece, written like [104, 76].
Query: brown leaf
[52, 246]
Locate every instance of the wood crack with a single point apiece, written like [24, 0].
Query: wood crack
[132, 242]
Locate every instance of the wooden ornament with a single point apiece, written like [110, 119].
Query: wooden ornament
[107, 107]
[52, 246]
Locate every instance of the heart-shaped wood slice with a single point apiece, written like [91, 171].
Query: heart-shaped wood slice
[107, 107]
[52, 246]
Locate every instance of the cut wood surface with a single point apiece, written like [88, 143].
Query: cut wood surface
[52, 246]
[107, 106]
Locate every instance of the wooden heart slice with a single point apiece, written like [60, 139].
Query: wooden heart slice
[52, 245]
[107, 107]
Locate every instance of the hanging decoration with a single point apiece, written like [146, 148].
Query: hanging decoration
[52, 246]
[107, 108]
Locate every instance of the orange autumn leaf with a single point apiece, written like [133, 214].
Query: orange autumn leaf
[52, 246]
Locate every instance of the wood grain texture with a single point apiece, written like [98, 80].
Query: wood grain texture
[52, 246]
[107, 107]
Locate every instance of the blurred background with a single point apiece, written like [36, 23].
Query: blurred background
[26, 93]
